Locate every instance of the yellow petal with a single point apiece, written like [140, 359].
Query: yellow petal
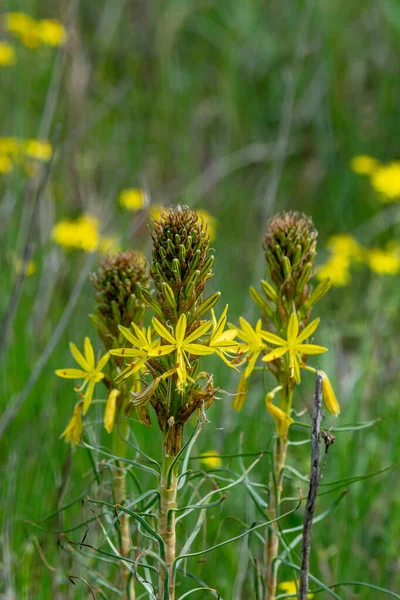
[275, 354]
[162, 331]
[241, 393]
[129, 336]
[73, 431]
[198, 349]
[308, 331]
[293, 328]
[140, 335]
[103, 361]
[197, 333]
[89, 354]
[162, 350]
[251, 364]
[127, 352]
[180, 329]
[110, 410]
[87, 398]
[282, 420]
[71, 373]
[78, 356]
[271, 338]
[311, 349]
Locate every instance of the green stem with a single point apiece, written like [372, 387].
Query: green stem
[166, 519]
[119, 484]
[271, 546]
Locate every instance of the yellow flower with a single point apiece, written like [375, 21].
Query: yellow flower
[241, 393]
[133, 199]
[252, 344]
[73, 431]
[329, 396]
[384, 262]
[211, 459]
[155, 211]
[344, 244]
[210, 221]
[143, 345]
[181, 345]
[111, 409]
[30, 267]
[222, 341]
[386, 180]
[7, 55]
[293, 345]
[8, 145]
[337, 268]
[290, 588]
[109, 245]
[5, 164]
[39, 149]
[24, 27]
[89, 372]
[363, 164]
[51, 32]
[82, 233]
[282, 420]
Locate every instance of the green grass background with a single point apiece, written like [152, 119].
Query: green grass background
[243, 109]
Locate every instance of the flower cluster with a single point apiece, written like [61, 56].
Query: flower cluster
[157, 366]
[133, 199]
[34, 33]
[384, 178]
[344, 252]
[286, 303]
[83, 233]
[15, 151]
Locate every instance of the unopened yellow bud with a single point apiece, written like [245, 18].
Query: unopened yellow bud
[329, 396]
[111, 409]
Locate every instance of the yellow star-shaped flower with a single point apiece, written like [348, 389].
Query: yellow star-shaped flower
[89, 372]
[181, 345]
[222, 342]
[293, 345]
[252, 345]
[142, 346]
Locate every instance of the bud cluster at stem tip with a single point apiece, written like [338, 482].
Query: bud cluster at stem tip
[117, 281]
[181, 264]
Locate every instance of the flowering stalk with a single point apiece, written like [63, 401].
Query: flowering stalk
[286, 302]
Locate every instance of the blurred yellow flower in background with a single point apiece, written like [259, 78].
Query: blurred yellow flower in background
[211, 459]
[32, 33]
[363, 164]
[344, 244]
[155, 211]
[7, 55]
[210, 221]
[39, 149]
[386, 180]
[5, 164]
[290, 588]
[337, 268]
[109, 245]
[81, 233]
[384, 262]
[51, 32]
[30, 267]
[133, 199]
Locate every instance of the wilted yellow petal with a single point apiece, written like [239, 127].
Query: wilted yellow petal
[241, 393]
[110, 410]
[329, 395]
